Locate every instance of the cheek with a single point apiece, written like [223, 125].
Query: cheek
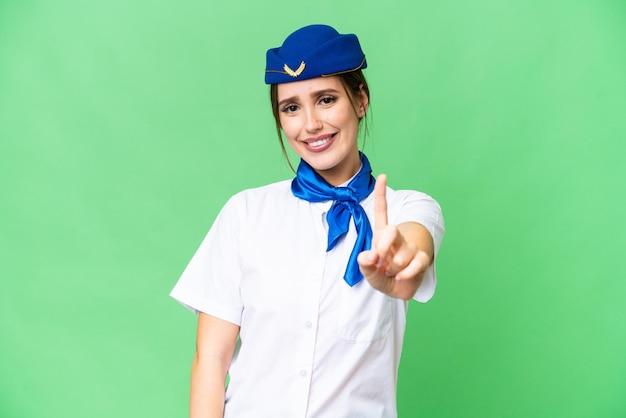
[344, 117]
[345, 121]
[287, 126]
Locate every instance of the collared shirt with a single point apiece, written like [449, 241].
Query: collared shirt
[309, 345]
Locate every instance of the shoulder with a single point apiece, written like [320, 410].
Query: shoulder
[407, 196]
[412, 201]
[279, 190]
[406, 199]
[401, 200]
[410, 206]
[259, 200]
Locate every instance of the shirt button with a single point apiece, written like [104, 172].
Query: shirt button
[303, 373]
[308, 324]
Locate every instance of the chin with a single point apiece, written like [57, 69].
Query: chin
[321, 163]
[335, 160]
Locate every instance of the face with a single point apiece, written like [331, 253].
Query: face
[321, 125]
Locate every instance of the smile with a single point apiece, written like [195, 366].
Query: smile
[320, 143]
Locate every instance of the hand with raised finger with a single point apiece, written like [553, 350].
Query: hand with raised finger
[393, 265]
[374, 263]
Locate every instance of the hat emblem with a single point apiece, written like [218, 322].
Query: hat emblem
[295, 73]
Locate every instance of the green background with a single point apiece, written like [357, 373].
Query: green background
[125, 126]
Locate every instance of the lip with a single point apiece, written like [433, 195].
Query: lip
[320, 148]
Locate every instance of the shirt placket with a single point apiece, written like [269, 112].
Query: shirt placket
[309, 319]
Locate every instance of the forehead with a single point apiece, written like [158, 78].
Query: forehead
[308, 87]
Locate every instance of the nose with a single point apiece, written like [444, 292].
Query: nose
[313, 123]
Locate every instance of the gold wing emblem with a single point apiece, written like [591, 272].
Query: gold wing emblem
[295, 73]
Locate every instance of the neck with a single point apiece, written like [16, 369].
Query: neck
[338, 175]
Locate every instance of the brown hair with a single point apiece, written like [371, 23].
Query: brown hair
[352, 81]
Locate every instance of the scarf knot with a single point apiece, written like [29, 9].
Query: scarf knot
[310, 186]
[344, 194]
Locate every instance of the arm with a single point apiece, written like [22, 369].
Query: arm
[215, 343]
[400, 255]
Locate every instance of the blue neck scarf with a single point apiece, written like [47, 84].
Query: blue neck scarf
[310, 186]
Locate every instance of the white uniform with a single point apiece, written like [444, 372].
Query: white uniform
[310, 345]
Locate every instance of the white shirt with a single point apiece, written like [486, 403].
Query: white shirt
[310, 345]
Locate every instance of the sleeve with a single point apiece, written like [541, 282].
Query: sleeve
[210, 283]
[423, 209]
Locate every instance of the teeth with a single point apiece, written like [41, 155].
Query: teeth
[319, 143]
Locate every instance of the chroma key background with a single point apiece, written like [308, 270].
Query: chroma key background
[126, 125]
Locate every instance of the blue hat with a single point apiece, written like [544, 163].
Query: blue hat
[313, 51]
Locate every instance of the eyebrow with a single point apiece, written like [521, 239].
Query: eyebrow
[316, 93]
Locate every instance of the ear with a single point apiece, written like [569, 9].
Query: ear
[363, 102]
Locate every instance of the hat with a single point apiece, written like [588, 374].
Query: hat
[313, 51]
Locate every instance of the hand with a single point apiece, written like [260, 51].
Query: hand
[394, 265]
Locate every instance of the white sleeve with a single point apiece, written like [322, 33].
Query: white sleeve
[423, 209]
[210, 282]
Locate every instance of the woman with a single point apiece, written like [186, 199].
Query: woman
[301, 287]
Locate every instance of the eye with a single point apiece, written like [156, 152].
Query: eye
[290, 108]
[326, 100]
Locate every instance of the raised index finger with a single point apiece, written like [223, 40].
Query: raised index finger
[380, 204]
